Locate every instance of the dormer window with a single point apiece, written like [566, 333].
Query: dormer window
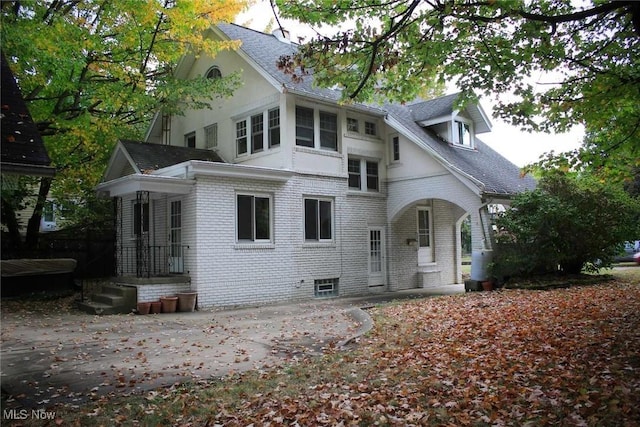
[214, 73]
[462, 133]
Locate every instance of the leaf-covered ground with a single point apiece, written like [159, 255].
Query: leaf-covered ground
[567, 357]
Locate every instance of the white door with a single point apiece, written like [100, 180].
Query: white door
[425, 236]
[377, 270]
[176, 259]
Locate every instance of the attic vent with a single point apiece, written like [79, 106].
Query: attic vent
[282, 35]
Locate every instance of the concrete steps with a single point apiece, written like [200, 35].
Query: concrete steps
[112, 299]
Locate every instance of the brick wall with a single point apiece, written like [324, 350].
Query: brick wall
[225, 272]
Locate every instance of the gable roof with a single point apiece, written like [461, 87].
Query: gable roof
[23, 151]
[438, 110]
[137, 157]
[149, 157]
[432, 108]
[487, 169]
[493, 174]
[264, 50]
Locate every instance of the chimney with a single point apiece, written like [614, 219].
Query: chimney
[282, 35]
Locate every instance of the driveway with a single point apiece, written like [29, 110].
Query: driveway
[52, 353]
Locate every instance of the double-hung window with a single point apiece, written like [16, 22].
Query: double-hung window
[304, 127]
[354, 174]
[357, 181]
[372, 176]
[328, 131]
[314, 125]
[253, 218]
[241, 137]
[318, 219]
[274, 127]
[211, 136]
[257, 133]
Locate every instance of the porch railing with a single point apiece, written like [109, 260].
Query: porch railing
[151, 261]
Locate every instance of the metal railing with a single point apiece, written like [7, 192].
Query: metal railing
[151, 261]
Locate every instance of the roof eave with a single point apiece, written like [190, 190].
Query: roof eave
[229, 170]
[131, 184]
[277, 84]
[28, 169]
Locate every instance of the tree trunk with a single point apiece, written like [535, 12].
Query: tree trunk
[33, 226]
[10, 220]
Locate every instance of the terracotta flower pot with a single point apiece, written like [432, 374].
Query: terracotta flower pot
[169, 304]
[144, 307]
[156, 307]
[487, 285]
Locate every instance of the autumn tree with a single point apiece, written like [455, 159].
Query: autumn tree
[561, 62]
[93, 71]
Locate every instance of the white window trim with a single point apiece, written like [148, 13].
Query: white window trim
[254, 241]
[247, 124]
[392, 159]
[265, 131]
[361, 133]
[333, 221]
[316, 127]
[213, 127]
[453, 132]
[428, 209]
[363, 174]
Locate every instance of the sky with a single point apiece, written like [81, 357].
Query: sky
[520, 147]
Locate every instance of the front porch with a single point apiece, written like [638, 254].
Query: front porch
[146, 261]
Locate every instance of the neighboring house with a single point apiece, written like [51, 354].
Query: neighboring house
[23, 151]
[281, 192]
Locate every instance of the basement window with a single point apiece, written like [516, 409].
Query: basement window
[325, 288]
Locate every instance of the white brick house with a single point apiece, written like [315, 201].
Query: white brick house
[282, 193]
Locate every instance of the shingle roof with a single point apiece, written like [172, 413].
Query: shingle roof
[156, 156]
[432, 108]
[496, 174]
[265, 49]
[23, 150]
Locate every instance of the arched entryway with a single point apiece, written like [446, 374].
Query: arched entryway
[425, 217]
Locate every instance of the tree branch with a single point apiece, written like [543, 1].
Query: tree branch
[375, 45]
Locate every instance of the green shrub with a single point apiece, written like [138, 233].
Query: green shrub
[568, 223]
